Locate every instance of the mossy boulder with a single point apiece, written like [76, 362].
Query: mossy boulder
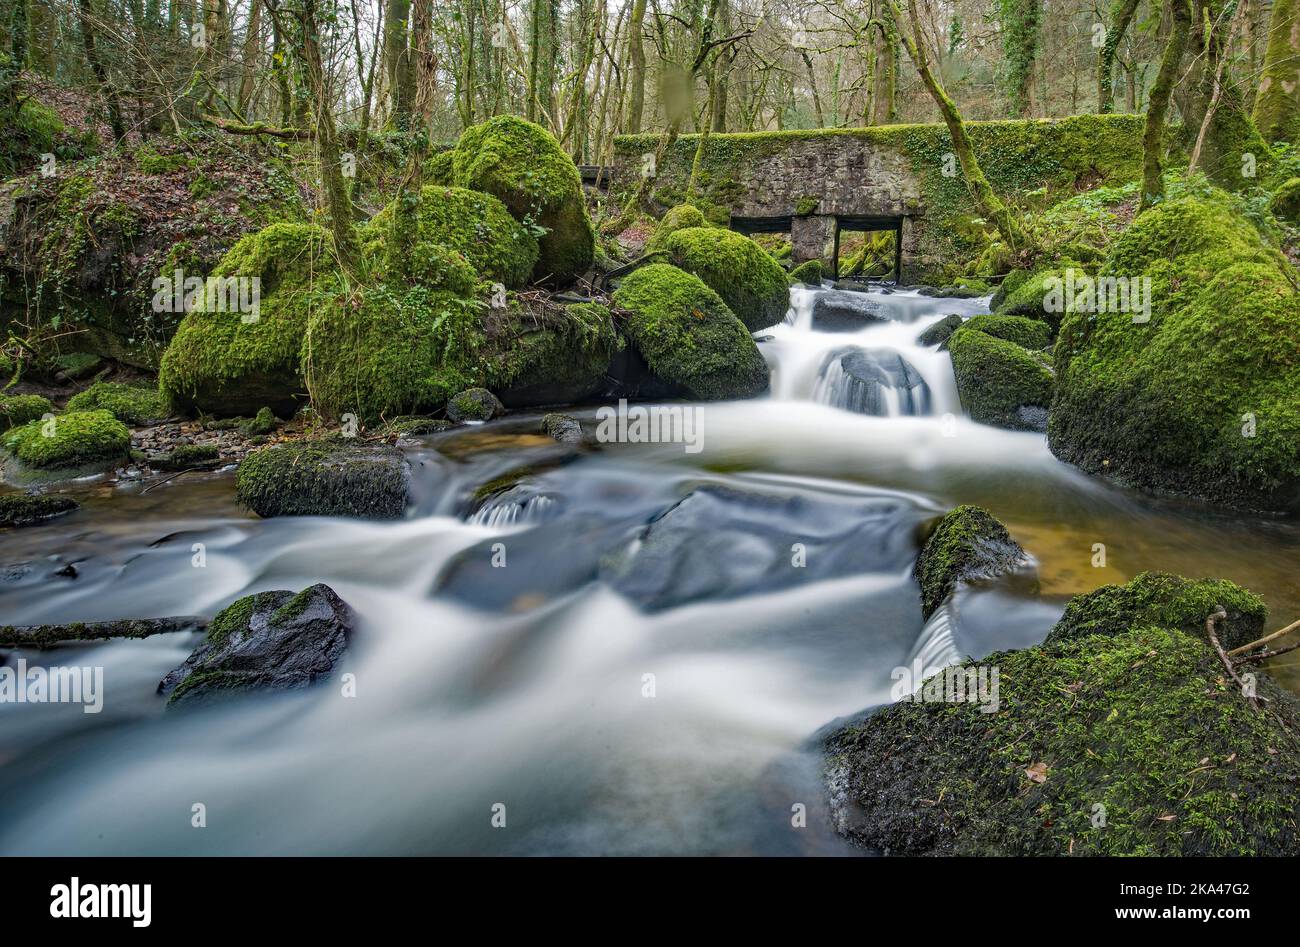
[939, 332]
[967, 544]
[227, 363]
[73, 442]
[1128, 744]
[1000, 382]
[1203, 398]
[1027, 333]
[130, 404]
[475, 404]
[676, 218]
[267, 641]
[1285, 202]
[750, 282]
[523, 164]
[440, 169]
[552, 354]
[476, 227]
[1170, 601]
[25, 509]
[385, 351]
[688, 336]
[19, 409]
[811, 272]
[1029, 297]
[189, 457]
[334, 476]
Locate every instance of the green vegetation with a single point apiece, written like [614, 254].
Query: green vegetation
[750, 282]
[677, 218]
[997, 379]
[1285, 202]
[522, 164]
[688, 336]
[1195, 400]
[130, 404]
[559, 353]
[76, 439]
[19, 409]
[1027, 333]
[25, 509]
[811, 272]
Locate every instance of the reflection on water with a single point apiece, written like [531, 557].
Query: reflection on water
[643, 674]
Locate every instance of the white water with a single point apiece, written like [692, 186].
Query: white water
[527, 686]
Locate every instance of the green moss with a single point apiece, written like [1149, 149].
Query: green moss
[523, 164]
[25, 509]
[384, 351]
[1170, 601]
[473, 404]
[1203, 397]
[224, 364]
[185, 456]
[326, 477]
[941, 331]
[151, 161]
[76, 439]
[1028, 297]
[128, 403]
[806, 206]
[234, 618]
[750, 282]
[440, 169]
[19, 409]
[688, 336]
[1285, 203]
[264, 422]
[1027, 333]
[678, 218]
[997, 378]
[457, 222]
[967, 543]
[811, 272]
[1138, 729]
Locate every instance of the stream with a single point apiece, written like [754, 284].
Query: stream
[600, 691]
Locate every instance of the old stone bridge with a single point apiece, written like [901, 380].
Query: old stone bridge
[814, 183]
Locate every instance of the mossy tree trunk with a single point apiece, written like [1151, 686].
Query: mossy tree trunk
[990, 205]
[1121, 15]
[1277, 103]
[1020, 20]
[19, 25]
[397, 63]
[1153, 185]
[406, 209]
[636, 67]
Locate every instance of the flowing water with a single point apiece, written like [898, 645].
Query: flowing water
[544, 659]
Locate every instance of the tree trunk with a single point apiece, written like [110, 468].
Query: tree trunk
[252, 43]
[1020, 23]
[86, 20]
[1121, 15]
[397, 63]
[1153, 185]
[636, 67]
[1277, 103]
[990, 205]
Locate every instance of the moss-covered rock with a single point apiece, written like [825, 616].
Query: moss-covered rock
[966, 544]
[1028, 297]
[1000, 383]
[1131, 744]
[939, 332]
[19, 409]
[1025, 332]
[750, 282]
[552, 354]
[228, 363]
[384, 351]
[474, 404]
[25, 509]
[326, 477]
[189, 457]
[1169, 601]
[476, 227]
[688, 336]
[440, 169]
[1285, 202]
[811, 272]
[523, 164]
[677, 218]
[130, 404]
[1204, 397]
[71, 441]
[264, 422]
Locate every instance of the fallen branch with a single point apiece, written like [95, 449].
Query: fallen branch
[1265, 640]
[1265, 655]
[46, 636]
[257, 128]
[1215, 616]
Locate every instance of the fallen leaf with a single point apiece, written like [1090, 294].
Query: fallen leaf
[1037, 772]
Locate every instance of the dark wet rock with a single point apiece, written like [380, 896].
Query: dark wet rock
[938, 333]
[328, 477]
[720, 542]
[270, 640]
[1031, 417]
[1170, 601]
[967, 544]
[69, 571]
[475, 404]
[951, 292]
[24, 509]
[1123, 742]
[840, 312]
[562, 428]
[858, 379]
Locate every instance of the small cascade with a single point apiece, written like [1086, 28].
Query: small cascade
[936, 648]
[878, 382]
[513, 508]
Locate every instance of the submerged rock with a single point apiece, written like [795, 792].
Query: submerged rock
[271, 640]
[327, 477]
[562, 428]
[836, 311]
[22, 509]
[878, 382]
[968, 544]
[1128, 742]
